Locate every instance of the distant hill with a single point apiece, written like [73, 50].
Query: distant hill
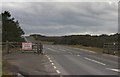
[46, 38]
[85, 40]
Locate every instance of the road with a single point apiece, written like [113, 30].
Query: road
[64, 60]
[75, 61]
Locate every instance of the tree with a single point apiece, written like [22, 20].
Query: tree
[11, 30]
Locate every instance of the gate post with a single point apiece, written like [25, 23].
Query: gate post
[103, 48]
[38, 48]
[7, 47]
[108, 48]
[41, 48]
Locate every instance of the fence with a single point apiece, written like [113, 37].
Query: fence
[111, 48]
[11, 47]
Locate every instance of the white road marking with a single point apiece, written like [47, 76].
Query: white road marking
[91, 51]
[116, 70]
[58, 71]
[95, 61]
[54, 67]
[70, 52]
[85, 50]
[78, 55]
[19, 75]
[46, 55]
[51, 49]
[61, 76]
[62, 50]
[50, 60]
[52, 63]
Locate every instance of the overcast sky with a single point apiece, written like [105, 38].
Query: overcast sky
[65, 18]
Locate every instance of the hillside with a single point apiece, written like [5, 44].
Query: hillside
[85, 40]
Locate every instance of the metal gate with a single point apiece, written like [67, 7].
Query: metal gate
[111, 48]
[11, 47]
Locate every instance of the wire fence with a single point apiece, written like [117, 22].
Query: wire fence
[111, 48]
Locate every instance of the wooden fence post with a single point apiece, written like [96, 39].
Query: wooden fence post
[38, 48]
[7, 46]
[103, 48]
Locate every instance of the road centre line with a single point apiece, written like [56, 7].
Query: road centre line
[95, 61]
[116, 70]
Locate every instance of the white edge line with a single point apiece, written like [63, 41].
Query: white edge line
[50, 60]
[92, 51]
[116, 70]
[54, 67]
[95, 61]
[20, 75]
[58, 71]
[85, 50]
[52, 63]
[70, 52]
[62, 49]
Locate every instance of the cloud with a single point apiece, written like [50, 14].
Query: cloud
[61, 1]
[60, 18]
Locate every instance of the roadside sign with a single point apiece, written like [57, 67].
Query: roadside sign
[26, 46]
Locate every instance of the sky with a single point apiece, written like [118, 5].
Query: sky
[65, 18]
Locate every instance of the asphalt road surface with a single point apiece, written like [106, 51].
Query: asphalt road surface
[75, 61]
[64, 60]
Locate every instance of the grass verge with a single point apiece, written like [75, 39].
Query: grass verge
[5, 68]
[95, 49]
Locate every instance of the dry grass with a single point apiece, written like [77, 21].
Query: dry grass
[6, 68]
[45, 42]
[95, 49]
